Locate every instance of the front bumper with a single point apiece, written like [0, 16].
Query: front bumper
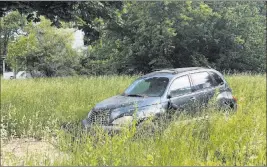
[110, 128]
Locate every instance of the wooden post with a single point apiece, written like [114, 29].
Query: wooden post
[4, 65]
[15, 70]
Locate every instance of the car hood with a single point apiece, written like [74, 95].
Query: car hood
[124, 101]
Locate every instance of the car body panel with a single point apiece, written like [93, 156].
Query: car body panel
[123, 101]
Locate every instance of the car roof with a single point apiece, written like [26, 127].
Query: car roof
[171, 72]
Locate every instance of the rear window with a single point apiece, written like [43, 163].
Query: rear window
[201, 80]
[217, 79]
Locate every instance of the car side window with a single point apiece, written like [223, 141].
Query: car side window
[180, 86]
[217, 79]
[201, 80]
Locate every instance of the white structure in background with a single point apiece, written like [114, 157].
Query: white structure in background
[8, 75]
[20, 75]
[78, 39]
[23, 75]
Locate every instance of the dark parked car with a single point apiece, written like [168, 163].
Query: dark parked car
[157, 92]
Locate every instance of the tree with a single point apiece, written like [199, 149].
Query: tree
[44, 48]
[81, 14]
[149, 35]
[10, 28]
[142, 33]
[244, 25]
[143, 36]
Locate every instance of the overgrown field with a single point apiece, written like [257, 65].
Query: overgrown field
[36, 108]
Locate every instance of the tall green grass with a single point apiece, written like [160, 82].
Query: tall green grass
[38, 107]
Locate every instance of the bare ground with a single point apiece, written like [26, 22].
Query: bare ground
[29, 152]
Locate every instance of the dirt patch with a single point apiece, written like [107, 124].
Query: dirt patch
[30, 151]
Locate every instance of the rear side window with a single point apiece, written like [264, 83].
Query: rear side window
[201, 80]
[180, 86]
[217, 79]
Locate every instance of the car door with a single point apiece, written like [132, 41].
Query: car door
[180, 93]
[202, 87]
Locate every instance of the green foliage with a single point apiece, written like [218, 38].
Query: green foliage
[38, 107]
[44, 49]
[66, 99]
[10, 28]
[81, 14]
[139, 37]
[244, 26]
[150, 35]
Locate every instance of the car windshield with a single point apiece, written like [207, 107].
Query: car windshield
[151, 87]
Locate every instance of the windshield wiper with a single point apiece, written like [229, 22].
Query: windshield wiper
[134, 95]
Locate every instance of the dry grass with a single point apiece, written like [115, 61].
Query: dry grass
[19, 151]
[37, 108]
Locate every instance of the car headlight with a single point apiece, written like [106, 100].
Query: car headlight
[139, 113]
[125, 120]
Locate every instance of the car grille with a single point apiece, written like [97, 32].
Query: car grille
[99, 117]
